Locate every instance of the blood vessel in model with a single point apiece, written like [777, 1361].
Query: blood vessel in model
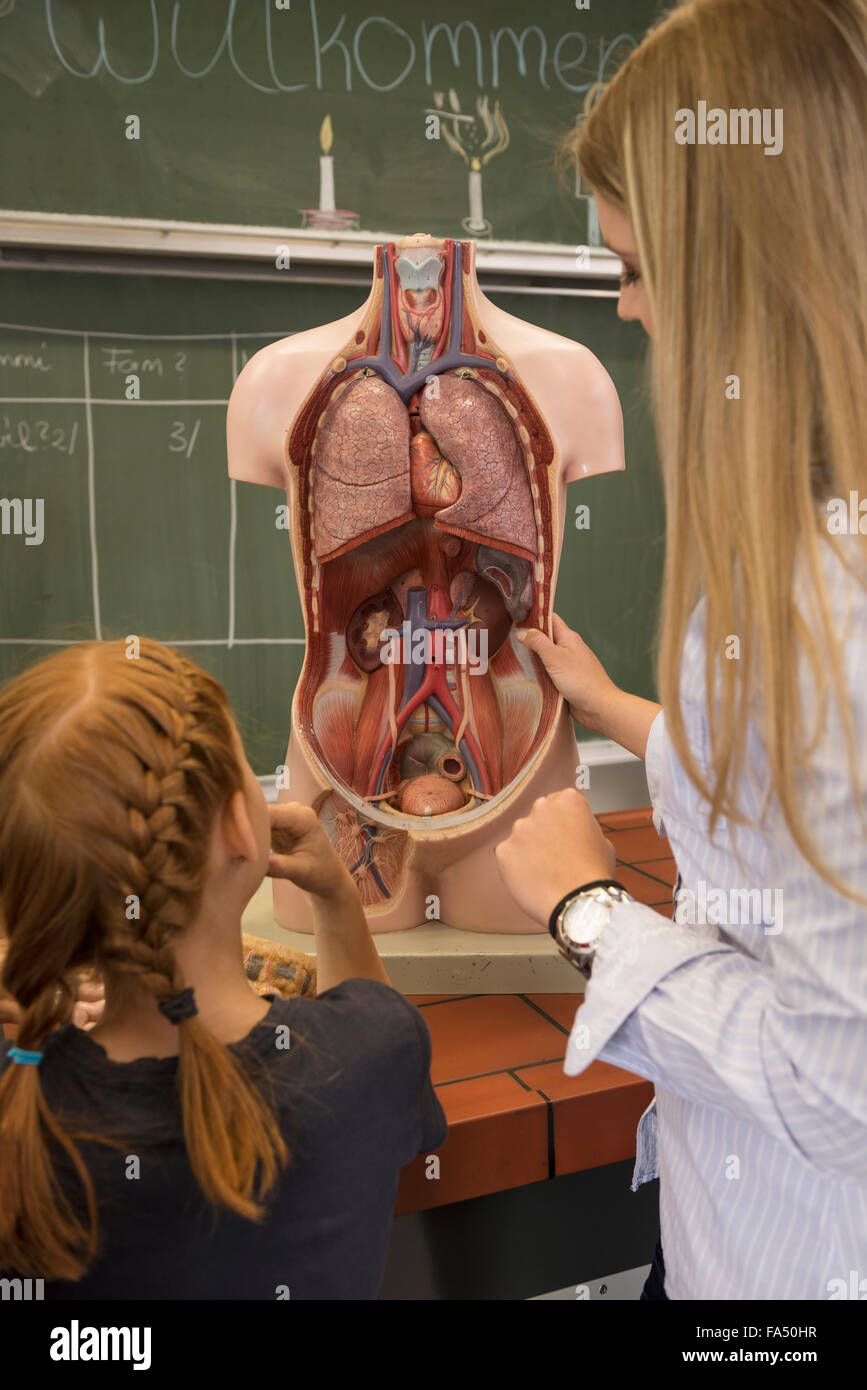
[424, 443]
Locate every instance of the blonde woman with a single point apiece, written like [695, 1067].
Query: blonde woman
[199, 1141]
[749, 1011]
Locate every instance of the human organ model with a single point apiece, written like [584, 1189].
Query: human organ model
[424, 444]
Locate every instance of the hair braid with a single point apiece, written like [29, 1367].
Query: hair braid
[158, 872]
[112, 774]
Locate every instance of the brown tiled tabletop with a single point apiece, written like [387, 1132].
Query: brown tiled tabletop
[514, 1116]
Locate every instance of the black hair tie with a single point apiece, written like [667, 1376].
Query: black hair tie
[183, 1006]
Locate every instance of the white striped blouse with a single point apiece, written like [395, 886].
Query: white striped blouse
[749, 1011]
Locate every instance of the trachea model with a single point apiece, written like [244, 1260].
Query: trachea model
[424, 444]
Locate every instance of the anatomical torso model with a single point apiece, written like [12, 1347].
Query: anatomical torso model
[424, 443]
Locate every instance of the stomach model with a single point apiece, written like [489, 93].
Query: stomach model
[424, 512]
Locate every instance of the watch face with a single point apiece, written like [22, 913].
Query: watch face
[583, 920]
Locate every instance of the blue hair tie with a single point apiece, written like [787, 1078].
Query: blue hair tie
[28, 1059]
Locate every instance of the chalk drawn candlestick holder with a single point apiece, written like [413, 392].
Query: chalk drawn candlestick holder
[477, 139]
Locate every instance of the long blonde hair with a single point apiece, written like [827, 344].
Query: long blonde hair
[112, 771]
[754, 266]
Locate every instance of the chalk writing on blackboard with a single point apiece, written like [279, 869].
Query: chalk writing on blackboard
[422, 52]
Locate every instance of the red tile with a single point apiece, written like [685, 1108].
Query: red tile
[643, 889]
[561, 1007]
[626, 820]
[551, 1081]
[598, 1129]
[632, 845]
[595, 1114]
[666, 869]
[488, 1033]
[498, 1138]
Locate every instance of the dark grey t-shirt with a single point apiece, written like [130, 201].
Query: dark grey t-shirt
[355, 1102]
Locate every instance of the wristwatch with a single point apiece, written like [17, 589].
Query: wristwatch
[578, 920]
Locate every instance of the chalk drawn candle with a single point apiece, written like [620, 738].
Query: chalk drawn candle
[326, 167]
[477, 217]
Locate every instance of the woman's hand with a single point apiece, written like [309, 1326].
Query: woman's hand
[594, 700]
[579, 676]
[303, 853]
[557, 848]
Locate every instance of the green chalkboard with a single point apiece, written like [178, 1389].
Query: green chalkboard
[143, 532]
[213, 112]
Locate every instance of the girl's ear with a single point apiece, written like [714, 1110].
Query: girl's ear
[237, 830]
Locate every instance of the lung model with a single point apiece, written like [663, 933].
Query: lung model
[424, 444]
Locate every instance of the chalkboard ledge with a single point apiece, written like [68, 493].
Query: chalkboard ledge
[124, 237]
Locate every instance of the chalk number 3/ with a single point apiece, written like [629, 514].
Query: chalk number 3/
[183, 440]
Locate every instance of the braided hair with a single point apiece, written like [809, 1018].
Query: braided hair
[114, 763]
